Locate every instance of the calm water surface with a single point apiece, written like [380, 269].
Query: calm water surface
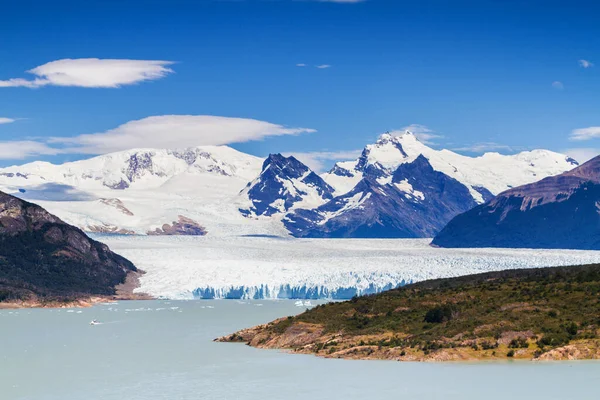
[164, 350]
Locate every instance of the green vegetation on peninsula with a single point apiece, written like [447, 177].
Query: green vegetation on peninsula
[546, 313]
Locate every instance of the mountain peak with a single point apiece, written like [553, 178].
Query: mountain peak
[290, 163]
[384, 138]
[395, 137]
[284, 182]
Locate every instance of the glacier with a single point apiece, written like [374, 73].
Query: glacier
[242, 267]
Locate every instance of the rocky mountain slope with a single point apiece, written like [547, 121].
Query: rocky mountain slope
[398, 187]
[41, 256]
[283, 183]
[415, 201]
[561, 211]
[542, 314]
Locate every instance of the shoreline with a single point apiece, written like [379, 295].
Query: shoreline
[309, 339]
[123, 291]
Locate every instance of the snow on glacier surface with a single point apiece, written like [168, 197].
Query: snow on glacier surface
[183, 267]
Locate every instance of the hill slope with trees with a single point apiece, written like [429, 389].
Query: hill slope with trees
[546, 313]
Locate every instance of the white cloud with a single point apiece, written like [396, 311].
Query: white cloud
[300, 65]
[175, 131]
[318, 161]
[4, 120]
[585, 64]
[582, 154]
[92, 73]
[423, 133]
[323, 66]
[484, 147]
[20, 149]
[581, 134]
[558, 85]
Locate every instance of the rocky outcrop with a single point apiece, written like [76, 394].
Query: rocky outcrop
[184, 226]
[40, 255]
[118, 204]
[105, 228]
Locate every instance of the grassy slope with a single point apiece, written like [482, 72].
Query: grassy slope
[525, 312]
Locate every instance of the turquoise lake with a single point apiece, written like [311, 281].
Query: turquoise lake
[164, 350]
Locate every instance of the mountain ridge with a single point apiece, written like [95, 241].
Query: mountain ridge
[142, 190]
[557, 212]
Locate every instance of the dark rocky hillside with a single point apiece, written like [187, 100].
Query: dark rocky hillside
[43, 257]
[561, 211]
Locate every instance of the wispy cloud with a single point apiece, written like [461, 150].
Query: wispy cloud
[585, 64]
[588, 133]
[319, 161]
[20, 149]
[163, 131]
[301, 65]
[174, 131]
[92, 73]
[422, 132]
[484, 147]
[4, 120]
[558, 85]
[323, 66]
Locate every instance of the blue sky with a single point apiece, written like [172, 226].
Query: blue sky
[480, 75]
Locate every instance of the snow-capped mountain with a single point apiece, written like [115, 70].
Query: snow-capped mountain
[283, 183]
[136, 169]
[140, 191]
[561, 211]
[398, 187]
[416, 201]
[401, 188]
[484, 176]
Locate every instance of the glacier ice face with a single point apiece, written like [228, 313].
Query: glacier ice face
[181, 267]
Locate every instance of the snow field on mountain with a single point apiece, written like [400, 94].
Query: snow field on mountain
[262, 267]
[493, 171]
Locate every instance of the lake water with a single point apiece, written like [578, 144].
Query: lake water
[164, 350]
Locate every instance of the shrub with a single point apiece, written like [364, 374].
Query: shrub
[571, 328]
[439, 314]
[511, 353]
[485, 345]
[518, 343]
[553, 340]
